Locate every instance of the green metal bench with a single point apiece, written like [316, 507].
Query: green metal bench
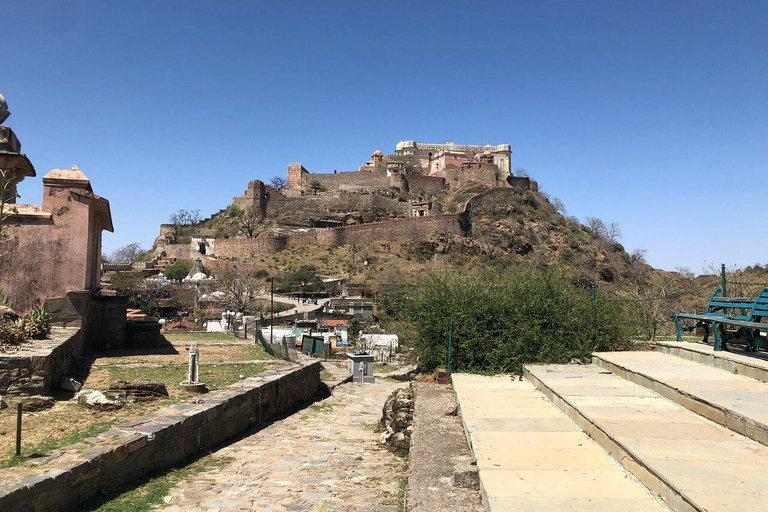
[732, 308]
[750, 329]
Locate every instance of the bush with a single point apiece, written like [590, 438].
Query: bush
[178, 270]
[33, 326]
[234, 211]
[503, 321]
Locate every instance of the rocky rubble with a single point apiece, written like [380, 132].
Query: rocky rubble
[140, 390]
[120, 393]
[396, 424]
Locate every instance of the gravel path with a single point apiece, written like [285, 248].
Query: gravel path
[325, 457]
[441, 475]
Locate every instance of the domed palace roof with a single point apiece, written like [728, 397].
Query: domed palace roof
[405, 144]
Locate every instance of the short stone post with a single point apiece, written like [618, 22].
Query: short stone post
[193, 384]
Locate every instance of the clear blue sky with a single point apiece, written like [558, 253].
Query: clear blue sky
[651, 114]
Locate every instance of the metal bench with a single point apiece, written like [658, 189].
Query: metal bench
[718, 308]
[750, 329]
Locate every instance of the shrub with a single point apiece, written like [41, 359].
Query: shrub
[177, 270]
[234, 211]
[503, 320]
[33, 326]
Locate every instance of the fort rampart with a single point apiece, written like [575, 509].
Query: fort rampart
[399, 229]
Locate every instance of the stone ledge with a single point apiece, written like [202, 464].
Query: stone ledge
[160, 440]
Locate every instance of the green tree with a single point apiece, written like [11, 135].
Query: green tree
[305, 278]
[177, 270]
[315, 186]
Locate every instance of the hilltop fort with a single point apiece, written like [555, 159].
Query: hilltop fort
[421, 188]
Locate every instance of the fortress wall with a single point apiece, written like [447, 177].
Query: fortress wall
[341, 202]
[331, 182]
[431, 185]
[485, 175]
[394, 230]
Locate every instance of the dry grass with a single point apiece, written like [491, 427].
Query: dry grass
[67, 423]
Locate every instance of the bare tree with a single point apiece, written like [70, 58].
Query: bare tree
[638, 256]
[241, 288]
[277, 183]
[559, 206]
[248, 223]
[128, 253]
[519, 171]
[185, 217]
[613, 232]
[595, 225]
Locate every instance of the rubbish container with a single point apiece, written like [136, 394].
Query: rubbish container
[360, 365]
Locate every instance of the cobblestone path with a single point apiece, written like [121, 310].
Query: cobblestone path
[324, 457]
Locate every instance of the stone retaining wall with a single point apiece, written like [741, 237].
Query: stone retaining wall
[39, 364]
[160, 440]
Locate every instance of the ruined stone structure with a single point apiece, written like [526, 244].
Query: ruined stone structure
[53, 247]
[254, 199]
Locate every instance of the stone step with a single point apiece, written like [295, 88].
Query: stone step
[531, 457]
[731, 400]
[692, 463]
[735, 360]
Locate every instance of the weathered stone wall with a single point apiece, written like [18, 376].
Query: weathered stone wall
[105, 322]
[340, 202]
[486, 175]
[430, 185]
[362, 179]
[399, 229]
[160, 440]
[38, 366]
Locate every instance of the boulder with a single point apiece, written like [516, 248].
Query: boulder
[69, 384]
[95, 399]
[140, 390]
[37, 403]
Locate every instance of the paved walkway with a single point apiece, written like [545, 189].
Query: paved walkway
[730, 399]
[531, 457]
[325, 457]
[735, 359]
[694, 463]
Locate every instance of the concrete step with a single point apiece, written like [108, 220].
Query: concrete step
[735, 360]
[691, 462]
[532, 458]
[731, 400]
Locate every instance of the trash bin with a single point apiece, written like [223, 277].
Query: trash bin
[360, 365]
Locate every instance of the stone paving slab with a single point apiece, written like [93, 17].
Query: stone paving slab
[754, 365]
[729, 399]
[324, 457]
[531, 457]
[693, 463]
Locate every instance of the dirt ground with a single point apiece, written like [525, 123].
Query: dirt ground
[223, 360]
[441, 474]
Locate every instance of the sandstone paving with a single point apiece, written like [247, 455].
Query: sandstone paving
[673, 449]
[324, 457]
[753, 365]
[532, 457]
[727, 398]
